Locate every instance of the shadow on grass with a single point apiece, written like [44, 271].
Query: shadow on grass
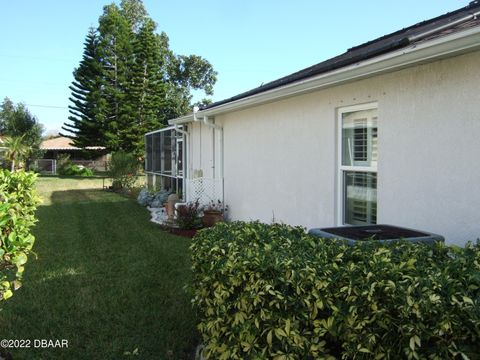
[85, 196]
[106, 279]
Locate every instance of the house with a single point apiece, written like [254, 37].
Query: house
[93, 156]
[388, 132]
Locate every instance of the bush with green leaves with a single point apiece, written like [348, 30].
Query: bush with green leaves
[63, 161]
[77, 170]
[18, 202]
[274, 292]
[123, 169]
[66, 167]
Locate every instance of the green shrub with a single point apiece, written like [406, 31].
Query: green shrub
[63, 161]
[67, 168]
[18, 202]
[274, 292]
[123, 169]
[76, 170]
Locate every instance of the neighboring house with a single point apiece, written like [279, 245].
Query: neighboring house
[388, 132]
[59, 146]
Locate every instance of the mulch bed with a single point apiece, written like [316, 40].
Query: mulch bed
[185, 233]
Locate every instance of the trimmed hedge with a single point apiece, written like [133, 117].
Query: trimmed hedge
[274, 292]
[18, 203]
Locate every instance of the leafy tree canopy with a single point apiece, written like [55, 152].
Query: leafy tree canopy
[17, 122]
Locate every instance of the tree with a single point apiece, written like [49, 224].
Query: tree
[88, 106]
[130, 82]
[16, 151]
[16, 121]
[149, 90]
[116, 44]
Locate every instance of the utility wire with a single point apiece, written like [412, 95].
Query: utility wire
[48, 106]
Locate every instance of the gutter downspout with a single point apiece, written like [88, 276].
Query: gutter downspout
[219, 128]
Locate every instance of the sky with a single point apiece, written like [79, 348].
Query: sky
[248, 42]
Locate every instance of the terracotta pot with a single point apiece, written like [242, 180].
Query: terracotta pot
[210, 218]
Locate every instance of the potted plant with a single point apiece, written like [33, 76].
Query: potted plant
[188, 219]
[213, 213]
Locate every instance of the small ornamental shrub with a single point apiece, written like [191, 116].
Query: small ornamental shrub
[18, 202]
[123, 169]
[274, 292]
[188, 216]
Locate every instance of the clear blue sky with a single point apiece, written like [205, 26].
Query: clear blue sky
[248, 42]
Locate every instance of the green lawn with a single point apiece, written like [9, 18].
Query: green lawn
[106, 279]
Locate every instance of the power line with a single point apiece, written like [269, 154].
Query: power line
[41, 58]
[48, 106]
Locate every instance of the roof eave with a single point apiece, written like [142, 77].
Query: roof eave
[443, 47]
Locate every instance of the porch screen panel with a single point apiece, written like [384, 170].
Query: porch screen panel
[148, 153]
[164, 159]
[157, 160]
[167, 152]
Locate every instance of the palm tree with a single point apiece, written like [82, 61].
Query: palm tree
[16, 150]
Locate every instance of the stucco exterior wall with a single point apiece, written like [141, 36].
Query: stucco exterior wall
[280, 159]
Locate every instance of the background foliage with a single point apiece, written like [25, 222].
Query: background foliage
[16, 122]
[130, 82]
[271, 291]
[18, 203]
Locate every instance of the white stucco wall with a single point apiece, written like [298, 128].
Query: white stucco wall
[280, 159]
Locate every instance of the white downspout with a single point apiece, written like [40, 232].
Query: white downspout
[219, 128]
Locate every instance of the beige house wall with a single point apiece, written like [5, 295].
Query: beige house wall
[280, 159]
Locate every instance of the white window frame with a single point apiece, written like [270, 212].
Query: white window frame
[343, 168]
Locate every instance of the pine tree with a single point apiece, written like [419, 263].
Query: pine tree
[88, 110]
[148, 91]
[115, 41]
[130, 82]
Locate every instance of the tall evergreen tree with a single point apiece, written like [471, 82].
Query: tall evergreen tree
[88, 123]
[148, 91]
[137, 83]
[116, 43]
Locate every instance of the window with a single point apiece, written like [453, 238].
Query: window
[358, 156]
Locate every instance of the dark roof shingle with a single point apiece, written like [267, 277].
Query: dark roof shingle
[439, 26]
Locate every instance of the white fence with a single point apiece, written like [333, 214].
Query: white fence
[205, 190]
[49, 166]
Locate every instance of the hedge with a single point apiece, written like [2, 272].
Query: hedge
[18, 202]
[274, 292]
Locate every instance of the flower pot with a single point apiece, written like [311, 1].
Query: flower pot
[210, 217]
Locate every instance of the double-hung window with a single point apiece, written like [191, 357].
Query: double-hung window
[358, 155]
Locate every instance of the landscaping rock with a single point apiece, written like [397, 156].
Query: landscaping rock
[159, 199]
[144, 197]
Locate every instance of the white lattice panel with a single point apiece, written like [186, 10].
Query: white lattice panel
[205, 190]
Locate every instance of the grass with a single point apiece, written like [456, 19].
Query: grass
[106, 279]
